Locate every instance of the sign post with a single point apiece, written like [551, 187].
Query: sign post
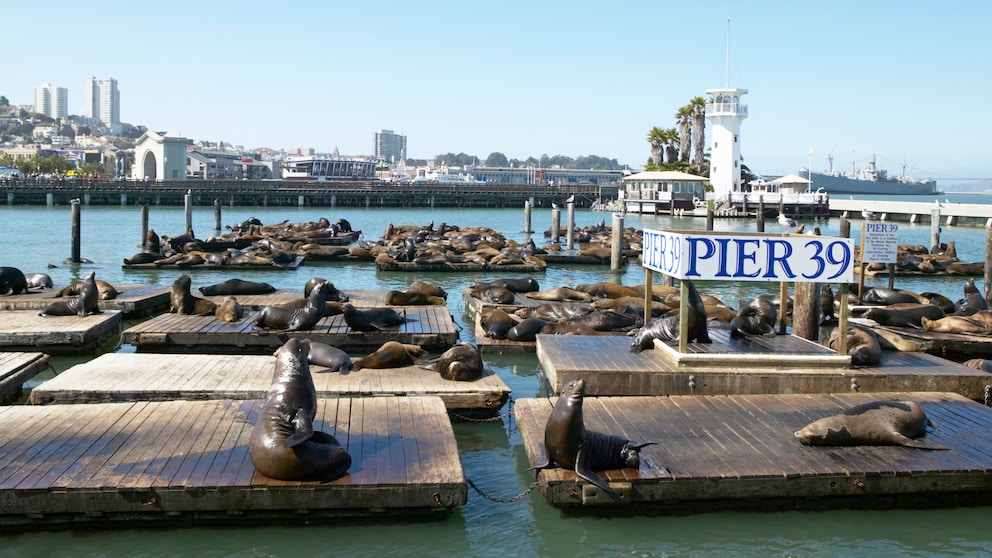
[879, 244]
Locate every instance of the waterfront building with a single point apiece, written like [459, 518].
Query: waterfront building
[534, 175]
[160, 156]
[102, 101]
[658, 191]
[226, 165]
[390, 147]
[51, 101]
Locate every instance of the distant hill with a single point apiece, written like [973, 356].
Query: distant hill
[977, 186]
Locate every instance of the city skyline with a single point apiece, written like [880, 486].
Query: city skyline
[846, 80]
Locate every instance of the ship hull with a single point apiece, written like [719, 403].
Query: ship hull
[845, 185]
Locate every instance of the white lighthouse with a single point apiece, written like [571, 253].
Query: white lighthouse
[725, 111]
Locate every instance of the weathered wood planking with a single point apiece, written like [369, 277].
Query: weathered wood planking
[25, 331]
[432, 327]
[520, 300]
[458, 267]
[187, 462]
[17, 368]
[736, 452]
[609, 368]
[959, 346]
[234, 268]
[358, 298]
[493, 346]
[132, 300]
[117, 377]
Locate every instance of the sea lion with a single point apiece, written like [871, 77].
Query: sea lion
[568, 329]
[877, 423]
[568, 444]
[526, 330]
[559, 294]
[229, 310]
[494, 315]
[606, 320]
[12, 281]
[884, 296]
[827, 303]
[756, 317]
[493, 293]
[427, 288]
[391, 354]
[38, 280]
[237, 287]
[956, 324]
[408, 298]
[330, 357]
[607, 290]
[983, 364]
[972, 301]
[904, 314]
[666, 328]
[105, 291]
[460, 363]
[83, 305]
[372, 319]
[143, 258]
[294, 319]
[521, 285]
[333, 294]
[283, 443]
[552, 311]
[182, 302]
[862, 345]
[634, 303]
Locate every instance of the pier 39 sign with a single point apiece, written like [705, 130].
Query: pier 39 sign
[707, 255]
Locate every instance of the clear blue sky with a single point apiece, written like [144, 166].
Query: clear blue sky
[906, 80]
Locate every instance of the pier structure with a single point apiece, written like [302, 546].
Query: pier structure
[950, 214]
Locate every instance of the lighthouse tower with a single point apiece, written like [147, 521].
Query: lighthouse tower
[725, 113]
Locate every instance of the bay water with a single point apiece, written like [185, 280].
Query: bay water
[32, 238]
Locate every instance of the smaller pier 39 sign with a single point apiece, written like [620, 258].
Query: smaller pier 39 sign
[707, 255]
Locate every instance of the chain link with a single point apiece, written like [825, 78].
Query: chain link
[532, 486]
[988, 395]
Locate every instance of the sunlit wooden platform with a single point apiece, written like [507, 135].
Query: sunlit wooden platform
[232, 267]
[719, 453]
[959, 346]
[607, 364]
[133, 300]
[185, 463]
[433, 328]
[358, 298]
[26, 331]
[115, 377]
[17, 368]
[573, 257]
[458, 267]
[520, 300]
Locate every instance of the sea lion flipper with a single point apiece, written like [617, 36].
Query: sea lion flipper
[916, 443]
[582, 469]
[303, 430]
[544, 465]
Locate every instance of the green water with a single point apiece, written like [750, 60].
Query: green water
[492, 454]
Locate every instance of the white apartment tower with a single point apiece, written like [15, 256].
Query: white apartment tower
[389, 146]
[51, 101]
[102, 101]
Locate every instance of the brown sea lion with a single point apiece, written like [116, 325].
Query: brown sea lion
[237, 287]
[552, 311]
[495, 315]
[520, 285]
[904, 314]
[372, 319]
[86, 303]
[632, 303]
[877, 423]
[568, 444]
[284, 444]
[330, 357]
[229, 310]
[666, 328]
[105, 291]
[294, 318]
[461, 363]
[493, 294]
[560, 294]
[142, 258]
[956, 324]
[862, 346]
[182, 302]
[608, 290]
[390, 354]
[427, 288]
[972, 301]
[408, 298]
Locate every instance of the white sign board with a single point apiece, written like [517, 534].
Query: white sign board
[880, 242]
[708, 255]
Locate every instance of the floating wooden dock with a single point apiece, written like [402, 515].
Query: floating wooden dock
[133, 301]
[25, 330]
[186, 463]
[232, 267]
[119, 377]
[520, 300]
[719, 453]
[432, 328]
[959, 346]
[491, 346]
[573, 257]
[458, 267]
[609, 368]
[17, 368]
[357, 298]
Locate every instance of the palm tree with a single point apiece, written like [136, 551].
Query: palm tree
[684, 120]
[671, 145]
[657, 139]
[698, 118]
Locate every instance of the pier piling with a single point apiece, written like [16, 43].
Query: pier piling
[144, 224]
[555, 225]
[987, 281]
[217, 217]
[569, 224]
[76, 231]
[527, 206]
[616, 245]
[934, 227]
[188, 206]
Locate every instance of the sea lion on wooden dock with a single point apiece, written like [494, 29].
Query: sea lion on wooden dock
[105, 291]
[283, 443]
[885, 296]
[182, 302]
[330, 357]
[862, 345]
[904, 314]
[461, 363]
[560, 294]
[38, 280]
[391, 354]
[408, 298]
[229, 309]
[956, 324]
[756, 317]
[568, 444]
[666, 328]
[372, 319]
[83, 305]
[526, 330]
[294, 319]
[608, 290]
[493, 293]
[606, 320]
[520, 285]
[427, 288]
[333, 294]
[972, 301]
[237, 286]
[877, 423]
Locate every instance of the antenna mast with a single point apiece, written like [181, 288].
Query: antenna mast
[727, 78]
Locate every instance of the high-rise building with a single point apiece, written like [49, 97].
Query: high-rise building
[102, 101]
[390, 147]
[51, 101]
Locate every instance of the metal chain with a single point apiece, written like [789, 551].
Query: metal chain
[532, 486]
[988, 395]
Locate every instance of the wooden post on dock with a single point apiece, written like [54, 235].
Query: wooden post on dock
[934, 227]
[842, 320]
[527, 228]
[555, 225]
[217, 219]
[648, 294]
[987, 283]
[570, 224]
[709, 219]
[806, 310]
[759, 217]
[862, 264]
[783, 306]
[188, 204]
[683, 321]
[76, 232]
[845, 228]
[144, 224]
[616, 245]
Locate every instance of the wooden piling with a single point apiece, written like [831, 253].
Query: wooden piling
[845, 228]
[934, 227]
[144, 224]
[527, 206]
[569, 224]
[709, 219]
[616, 245]
[76, 233]
[188, 205]
[806, 309]
[217, 218]
[759, 217]
[555, 225]
[988, 264]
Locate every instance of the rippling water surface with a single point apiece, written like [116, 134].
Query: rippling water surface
[31, 238]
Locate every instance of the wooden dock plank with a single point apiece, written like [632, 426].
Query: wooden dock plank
[26, 331]
[609, 368]
[161, 377]
[763, 466]
[17, 368]
[132, 300]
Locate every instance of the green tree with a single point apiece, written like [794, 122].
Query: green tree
[92, 169]
[4, 102]
[496, 159]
